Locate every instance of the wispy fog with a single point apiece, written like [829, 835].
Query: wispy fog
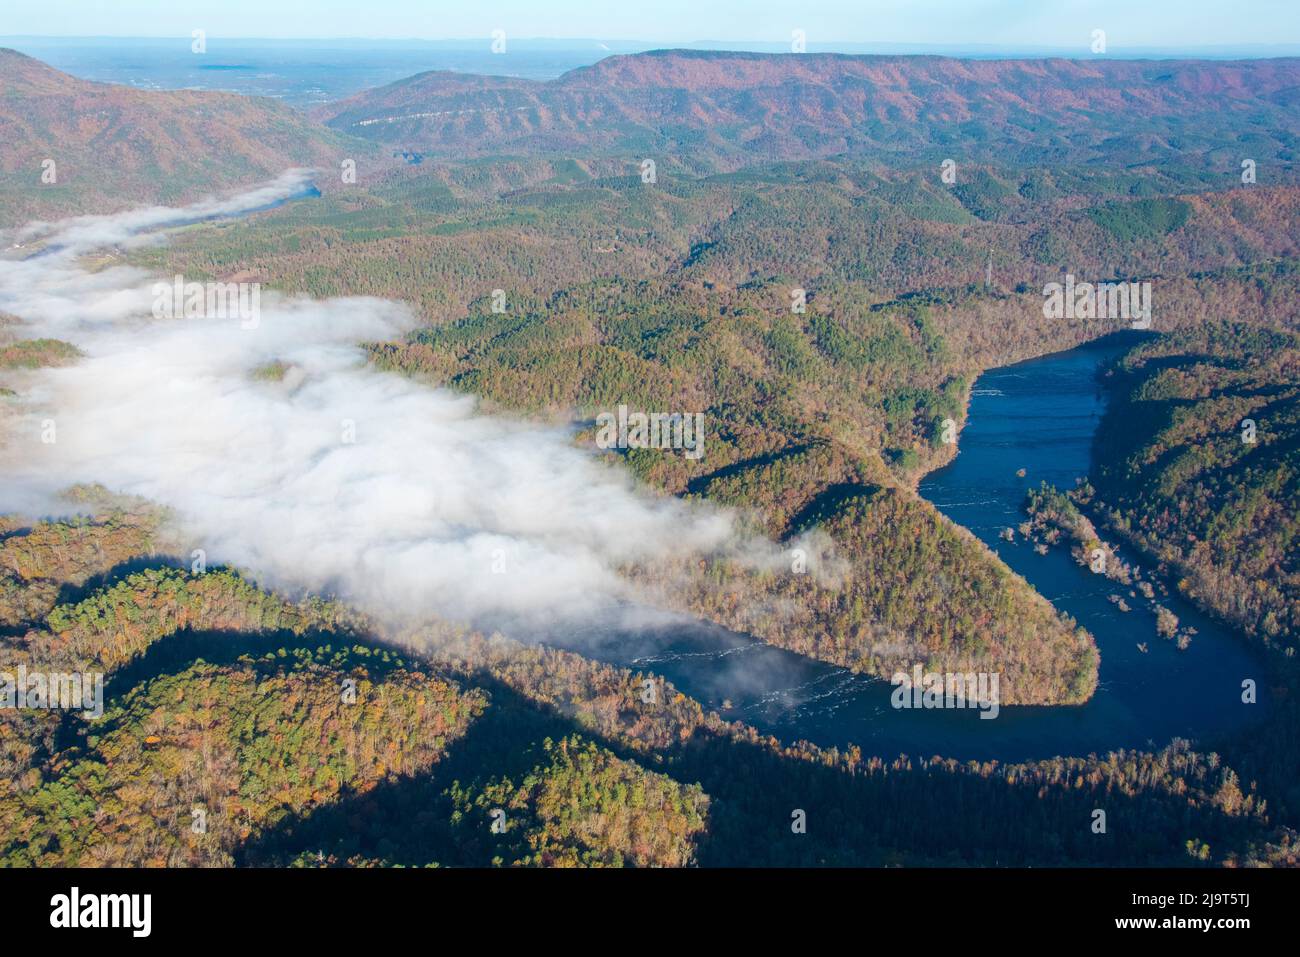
[316, 473]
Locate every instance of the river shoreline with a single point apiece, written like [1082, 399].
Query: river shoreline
[1041, 415]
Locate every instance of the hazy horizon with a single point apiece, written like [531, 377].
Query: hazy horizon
[1251, 49]
[1008, 24]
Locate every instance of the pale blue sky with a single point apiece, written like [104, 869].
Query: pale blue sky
[1011, 23]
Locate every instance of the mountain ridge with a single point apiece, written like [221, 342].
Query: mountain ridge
[724, 110]
[114, 146]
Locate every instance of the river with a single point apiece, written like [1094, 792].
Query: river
[1040, 416]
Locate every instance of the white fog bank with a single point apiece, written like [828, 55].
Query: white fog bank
[334, 478]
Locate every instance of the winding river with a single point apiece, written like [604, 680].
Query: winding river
[1040, 416]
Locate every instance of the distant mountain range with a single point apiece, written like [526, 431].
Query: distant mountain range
[724, 110]
[700, 111]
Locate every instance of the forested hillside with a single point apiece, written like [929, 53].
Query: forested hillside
[1199, 464]
[68, 146]
[244, 734]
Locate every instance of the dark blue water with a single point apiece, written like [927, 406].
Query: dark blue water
[1041, 416]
